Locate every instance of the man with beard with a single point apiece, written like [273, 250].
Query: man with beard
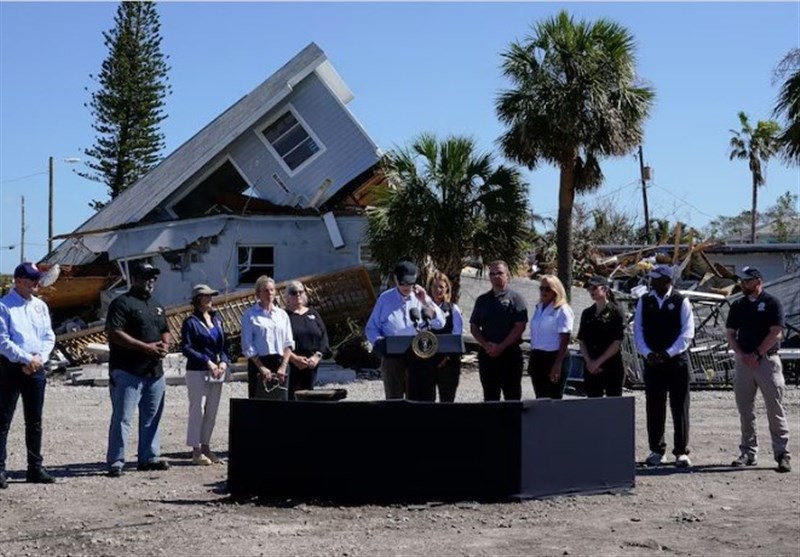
[498, 319]
[754, 328]
[138, 339]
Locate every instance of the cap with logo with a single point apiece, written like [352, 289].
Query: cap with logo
[750, 273]
[144, 270]
[27, 270]
[406, 272]
[661, 271]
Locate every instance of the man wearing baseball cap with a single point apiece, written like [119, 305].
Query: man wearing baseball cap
[754, 328]
[663, 328]
[26, 340]
[138, 338]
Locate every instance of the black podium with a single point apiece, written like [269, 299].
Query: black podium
[388, 451]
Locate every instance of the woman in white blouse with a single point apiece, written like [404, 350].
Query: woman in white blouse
[551, 327]
[267, 339]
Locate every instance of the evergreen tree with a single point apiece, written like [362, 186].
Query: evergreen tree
[128, 106]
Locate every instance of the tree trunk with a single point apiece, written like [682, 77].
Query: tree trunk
[753, 212]
[566, 200]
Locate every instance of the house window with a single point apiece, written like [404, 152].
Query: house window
[291, 140]
[254, 261]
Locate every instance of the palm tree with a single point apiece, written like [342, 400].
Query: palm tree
[788, 105]
[446, 202]
[575, 100]
[756, 146]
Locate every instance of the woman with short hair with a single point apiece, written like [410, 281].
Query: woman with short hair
[551, 327]
[267, 339]
[600, 333]
[310, 337]
[204, 344]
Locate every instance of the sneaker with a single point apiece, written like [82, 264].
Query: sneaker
[115, 472]
[39, 476]
[3, 481]
[213, 458]
[682, 461]
[783, 463]
[655, 459]
[153, 465]
[745, 460]
[201, 460]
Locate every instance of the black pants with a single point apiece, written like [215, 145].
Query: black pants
[539, 366]
[608, 381]
[501, 374]
[301, 380]
[446, 377]
[13, 384]
[660, 380]
[271, 361]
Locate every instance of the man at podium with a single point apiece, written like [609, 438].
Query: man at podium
[401, 311]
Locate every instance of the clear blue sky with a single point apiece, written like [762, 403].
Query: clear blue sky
[413, 67]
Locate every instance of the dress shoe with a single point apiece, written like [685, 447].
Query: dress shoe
[3, 481]
[39, 476]
[153, 465]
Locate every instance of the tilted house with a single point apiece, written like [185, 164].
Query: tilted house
[271, 186]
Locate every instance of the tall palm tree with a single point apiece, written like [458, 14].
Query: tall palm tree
[575, 99]
[447, 202]
[788, 105]
[756, 146]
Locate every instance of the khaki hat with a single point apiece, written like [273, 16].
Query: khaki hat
[203, 290]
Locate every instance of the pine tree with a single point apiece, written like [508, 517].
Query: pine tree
[128, 106]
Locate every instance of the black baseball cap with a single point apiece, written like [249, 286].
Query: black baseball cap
[144, 270]
[597, 280]
[750, 273]
[406, 272]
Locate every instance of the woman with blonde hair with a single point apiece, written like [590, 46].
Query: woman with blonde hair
[551, 327]
[446, 368]
[267, 339]
[310, 337]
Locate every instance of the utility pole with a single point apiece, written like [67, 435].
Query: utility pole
[50, 209]
[22, 234]
[645, 172]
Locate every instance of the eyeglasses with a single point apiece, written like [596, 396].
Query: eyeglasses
[296, 292]
[545, 289]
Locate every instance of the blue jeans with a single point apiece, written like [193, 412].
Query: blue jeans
[127, 392]
[13, 384]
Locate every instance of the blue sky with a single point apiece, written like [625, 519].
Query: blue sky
[413, 67]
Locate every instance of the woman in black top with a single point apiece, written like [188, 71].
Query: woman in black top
[601, 332]
[446, 369]
[310, 337]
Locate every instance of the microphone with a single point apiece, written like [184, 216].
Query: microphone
[415, 316]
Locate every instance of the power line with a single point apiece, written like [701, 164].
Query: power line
[682, 200]
[8, 181]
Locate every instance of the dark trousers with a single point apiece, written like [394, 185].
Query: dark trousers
[539, 365]
[301, 380]
[421, 380]
[13, 384]
[501, 374]
[660, 380]
[446, 378]
[608, 381]
[271, 361]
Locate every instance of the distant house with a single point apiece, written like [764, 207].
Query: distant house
[274, 185]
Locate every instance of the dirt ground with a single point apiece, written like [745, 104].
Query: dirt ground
[710, 509]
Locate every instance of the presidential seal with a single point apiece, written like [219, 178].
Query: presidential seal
[425, 345]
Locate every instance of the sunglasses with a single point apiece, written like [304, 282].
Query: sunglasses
[296, 292]
[545, 289]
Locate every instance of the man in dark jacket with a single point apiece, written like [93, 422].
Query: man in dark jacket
[663, 329]
[138, 339]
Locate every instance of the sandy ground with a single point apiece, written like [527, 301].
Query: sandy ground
[711, 509]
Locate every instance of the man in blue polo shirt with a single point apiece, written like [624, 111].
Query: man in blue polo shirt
[26, 340]
[754, 328]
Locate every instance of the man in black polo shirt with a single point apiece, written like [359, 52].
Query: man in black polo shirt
[138, 339]
[498, 319]
[663, 328]
[754, 328]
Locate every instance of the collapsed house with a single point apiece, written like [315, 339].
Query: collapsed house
[275, 185]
